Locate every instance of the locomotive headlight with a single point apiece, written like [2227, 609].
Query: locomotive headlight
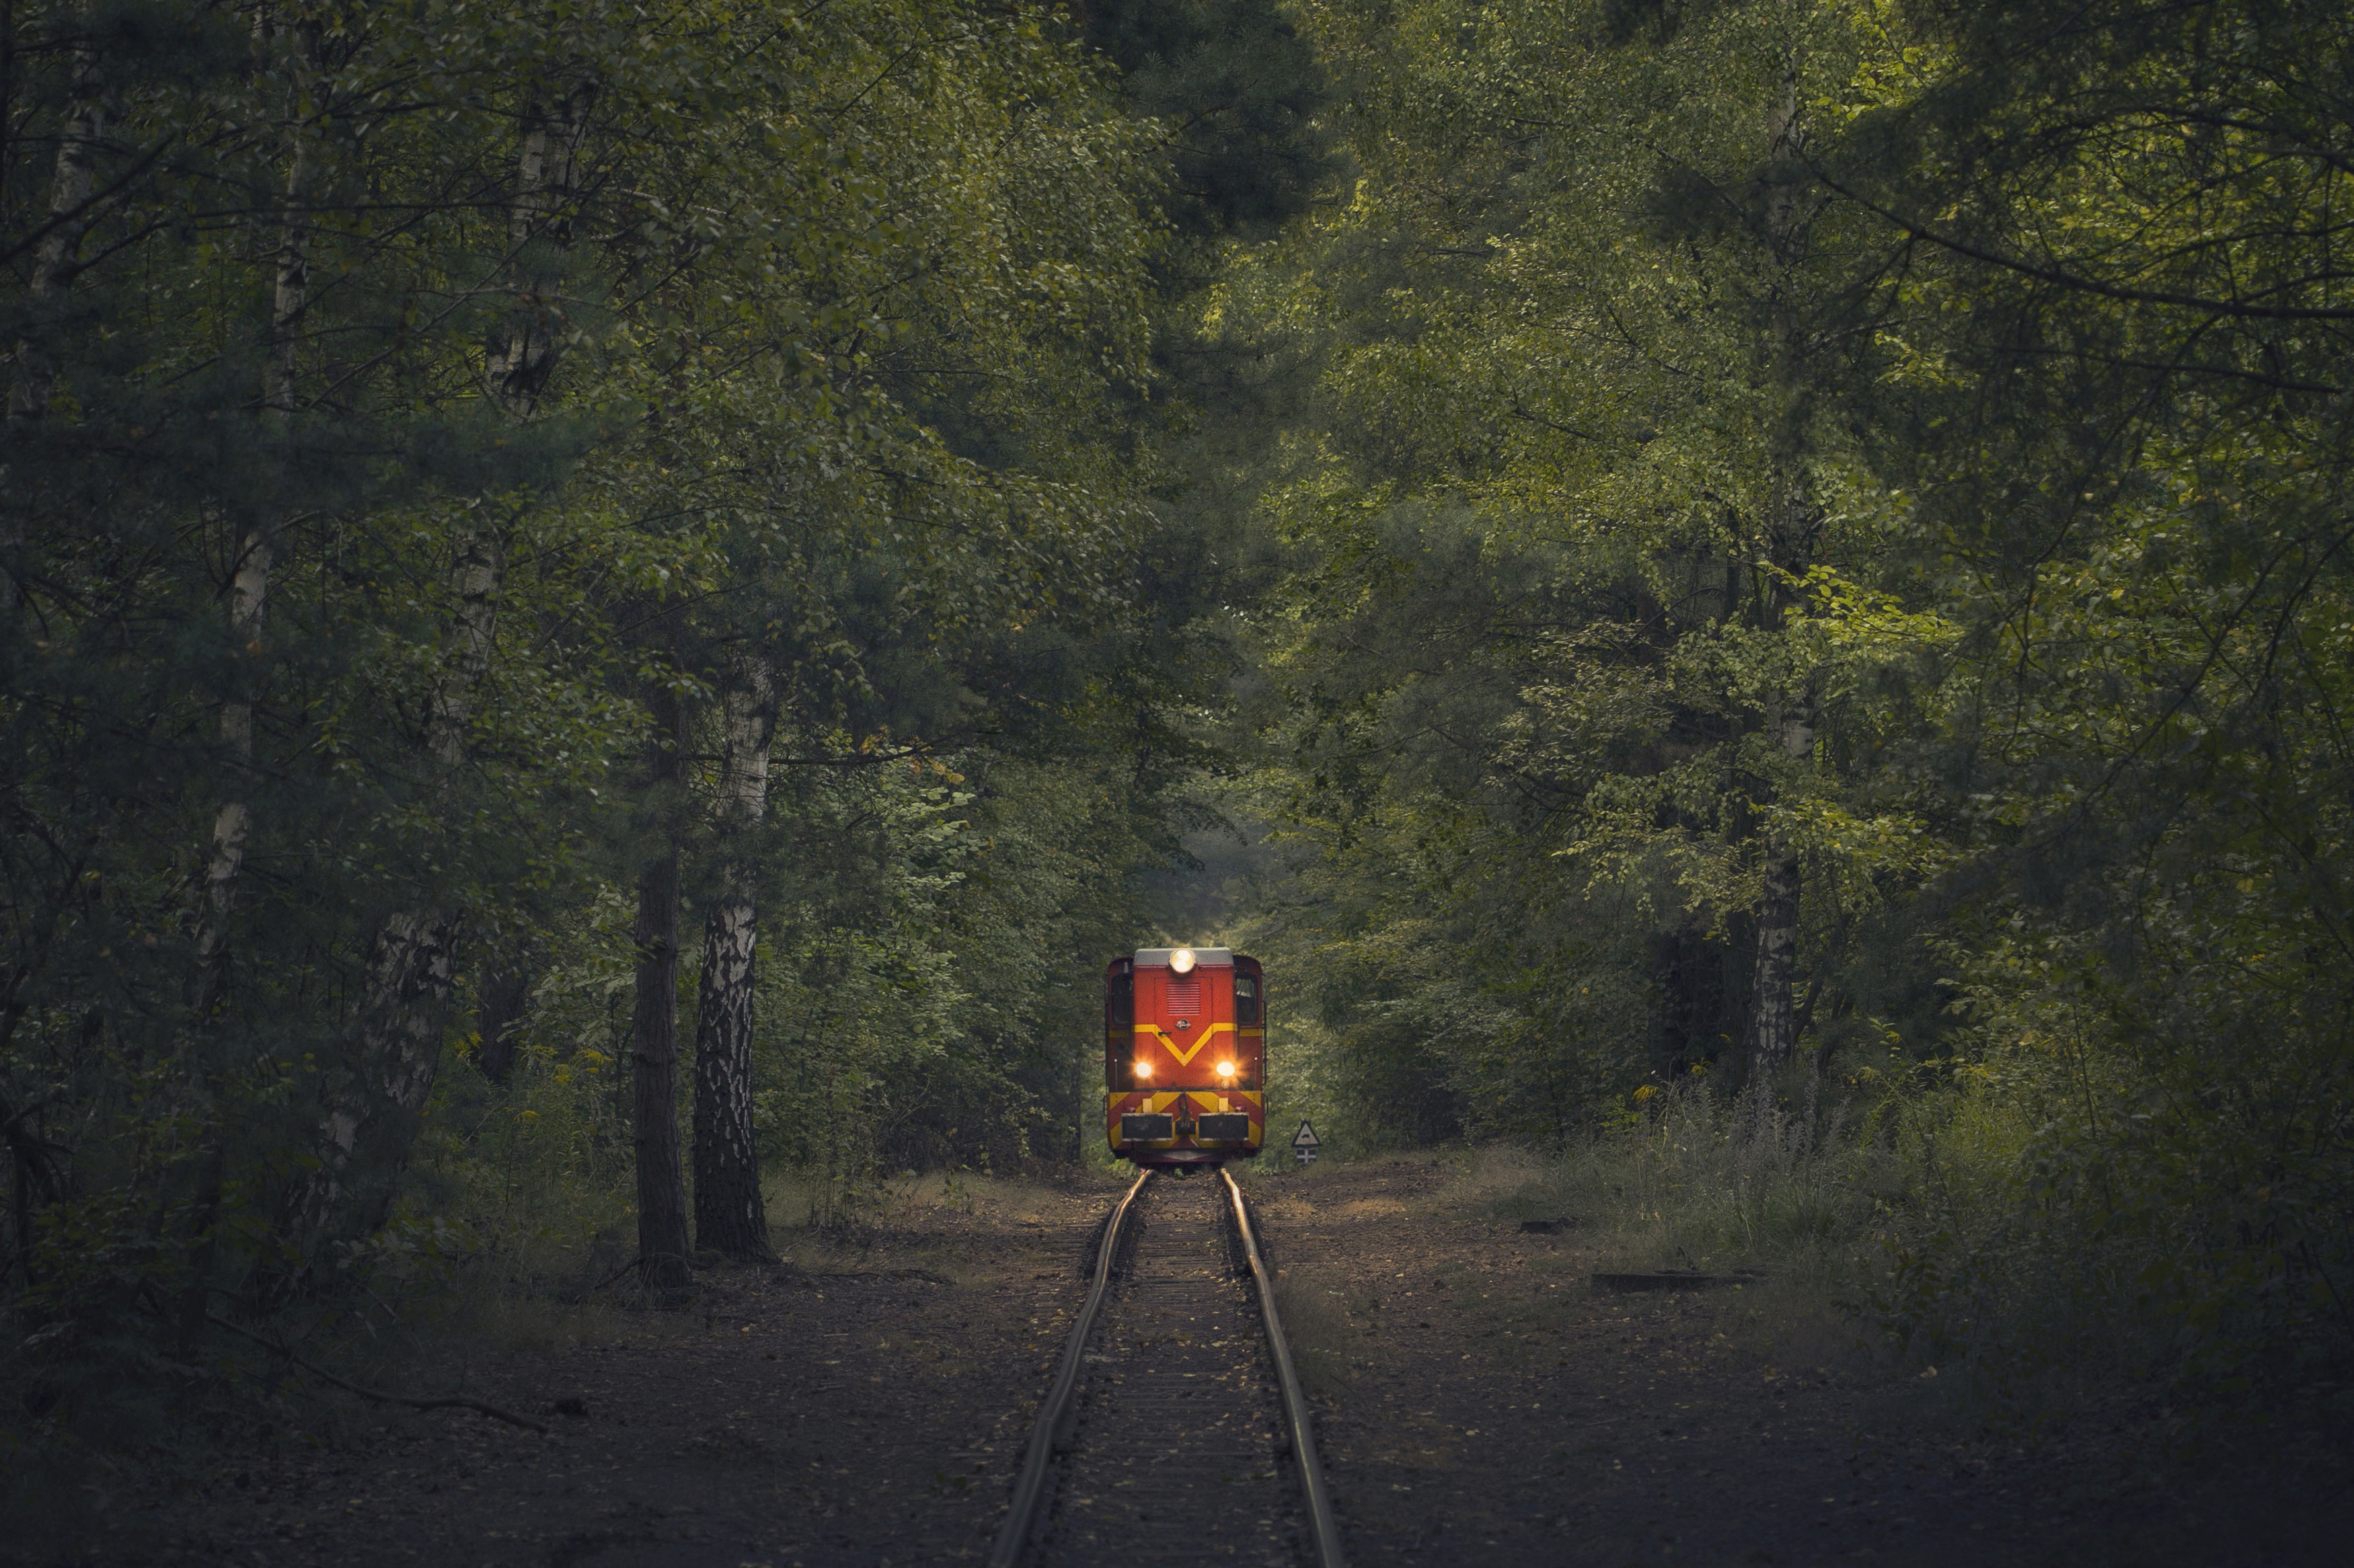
[1226, 1069]
[1182, 962]
[1143, 1069]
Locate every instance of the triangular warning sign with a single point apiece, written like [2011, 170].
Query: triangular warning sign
[1305, 1138]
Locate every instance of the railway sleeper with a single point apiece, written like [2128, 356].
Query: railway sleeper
[1168, 1434]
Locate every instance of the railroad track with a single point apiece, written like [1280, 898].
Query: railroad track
[1175, 1430]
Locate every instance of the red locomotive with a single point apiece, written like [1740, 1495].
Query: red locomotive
[1185, 1056]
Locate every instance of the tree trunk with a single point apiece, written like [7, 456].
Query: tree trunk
[1786, 134]
[523, 351]
[1772, 1022]
[413, 969]
[372, 1116]
[233, 818]
[413, 966]
[249, 584]
[412, 963]
[1773, 1019]
[506, 991]
[728, 1215]
[1790, 526]
[661, 1189]
[248, 600]
[58, 256]
[55, 262]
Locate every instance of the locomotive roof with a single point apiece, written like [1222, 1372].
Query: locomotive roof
[1203, 957]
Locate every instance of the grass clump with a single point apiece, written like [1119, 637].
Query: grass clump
[1910, 1238]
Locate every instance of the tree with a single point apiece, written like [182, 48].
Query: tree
[1579, 435]
[526, 387]
[2113, 393]
[730, 1214]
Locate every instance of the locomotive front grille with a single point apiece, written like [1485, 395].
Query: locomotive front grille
[1147, 1127]
[1225, 1129]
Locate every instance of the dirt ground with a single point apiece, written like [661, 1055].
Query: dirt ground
[1480, 1404]
[1484, 1404]
[868, 1408]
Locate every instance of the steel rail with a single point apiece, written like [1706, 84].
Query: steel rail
[1323, 1529]
[1061, 1400]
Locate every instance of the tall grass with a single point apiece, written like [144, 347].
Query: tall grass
[1917, 1220]
[1678, 1186]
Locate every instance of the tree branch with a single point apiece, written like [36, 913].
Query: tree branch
[451, 1402]
[2092, 285]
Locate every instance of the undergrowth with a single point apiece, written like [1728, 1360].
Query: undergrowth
[1921, 1232]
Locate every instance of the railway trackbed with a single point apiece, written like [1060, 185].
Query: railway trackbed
[1175, 1429]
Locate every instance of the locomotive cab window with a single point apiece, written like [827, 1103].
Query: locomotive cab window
[1246, 1002]
[1119, 1032]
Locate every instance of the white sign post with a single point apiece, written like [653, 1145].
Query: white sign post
[1303, 1145]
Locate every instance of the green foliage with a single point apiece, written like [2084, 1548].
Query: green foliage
[1236, 91]
[1622, 492]
[946, 1016]
[1910, 442]
[401, 396]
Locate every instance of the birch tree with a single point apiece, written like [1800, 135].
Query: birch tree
[413, 959]
[730, 1216]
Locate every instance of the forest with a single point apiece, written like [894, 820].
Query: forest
[612, 606]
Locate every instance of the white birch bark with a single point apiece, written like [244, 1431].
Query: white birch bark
[250, 581]
[1773, 1018]
[1791, 522]
[729, 1216]
[57, 258]
[547, 177]
[413, 960]
[249, 593]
